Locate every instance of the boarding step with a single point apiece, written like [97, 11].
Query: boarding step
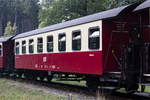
[146, 75]
[146, 78]
[114, 74]
[145, 84]
[5, 74]
[110, 80]
[109, 88]
[119, 73]
[66, 79]
[144, 94]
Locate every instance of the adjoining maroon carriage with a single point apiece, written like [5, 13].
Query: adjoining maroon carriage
[143, 13]
[6, 54]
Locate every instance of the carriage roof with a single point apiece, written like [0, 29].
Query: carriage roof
[142, 6]
[94, 17]
[5, 39]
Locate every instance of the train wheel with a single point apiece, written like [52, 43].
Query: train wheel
[142, 88]
[28, 76]
[131, 90]
[15, 76]
[41, 78]
[49, 78]
[92, 83]
[33, 77]
[20, 75]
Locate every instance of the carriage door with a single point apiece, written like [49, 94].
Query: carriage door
[134, 48]
[133, 60]
[146, 33]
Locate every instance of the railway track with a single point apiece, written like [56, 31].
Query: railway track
[135, 96]
[84, 90]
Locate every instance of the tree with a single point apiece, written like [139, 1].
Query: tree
[116, 3]
[22, 12]
[64, 10]
[46, 3]
[96, 6]
[30, 10]
[52, 15]
[10, 30]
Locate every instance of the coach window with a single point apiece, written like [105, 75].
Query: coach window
[31, 46]
[62, 42]
[50, 44]
[94, 38]
[76, 40]
[40, 45]
[23, 47]
[0, 50]
[17, 48]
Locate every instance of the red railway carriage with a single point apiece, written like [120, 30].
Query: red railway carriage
[82, 46]
[6, 53]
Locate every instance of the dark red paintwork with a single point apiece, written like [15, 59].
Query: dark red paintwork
[80, 62]
[1, 61]
[6, 60]
[74, 62]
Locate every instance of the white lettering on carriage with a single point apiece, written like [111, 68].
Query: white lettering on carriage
[46, 66]
[91, 55]
[53, 66]
[36, 65]
[44, 59]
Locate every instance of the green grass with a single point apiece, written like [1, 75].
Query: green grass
[147, 89]
[10, 91]
[79, 83]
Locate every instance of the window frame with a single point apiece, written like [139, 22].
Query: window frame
[1, 49]
[31, 45]
[49, 42]
[17, 47]
[59, 42]
[90, 28]
[40, 43]
[80, 39]
[23, 46]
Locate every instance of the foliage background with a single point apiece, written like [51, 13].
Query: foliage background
[56, 11]
[32, 14]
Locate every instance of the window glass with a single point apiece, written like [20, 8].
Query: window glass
[76, 40]
[50, 44]
[94, 38]
[31, 46]
[62, 42]
[0, 50]
[23, 47]
[40, 45]
[17, 48]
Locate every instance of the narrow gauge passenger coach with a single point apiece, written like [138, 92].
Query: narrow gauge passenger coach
[79, 47]
[62, 50]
